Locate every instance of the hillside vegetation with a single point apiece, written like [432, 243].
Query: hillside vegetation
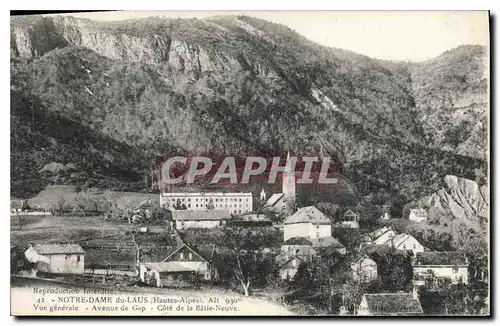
[113, 98]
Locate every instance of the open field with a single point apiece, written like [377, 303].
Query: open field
[101, 239]
[52, 195]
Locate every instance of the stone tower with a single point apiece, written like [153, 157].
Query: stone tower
[289, 181]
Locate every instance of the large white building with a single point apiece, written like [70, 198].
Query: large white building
[307, 222]
[233, 202]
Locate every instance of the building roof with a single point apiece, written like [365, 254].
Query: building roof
[309, 214]
[274, 199]
[326, 242]
[441, 258]
[400, 239]
[350, 213]
[54, 248]
[176, 266]
[393, 304]
[363, 260]
[301, 241]
[286, 262]
[169, 257]
[350, 224]
[382, 236]
[205, 215]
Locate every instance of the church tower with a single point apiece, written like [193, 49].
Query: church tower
[289, 181]
[263, 195]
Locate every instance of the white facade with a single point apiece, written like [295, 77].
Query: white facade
[233, 202]
[363, 309]
[457, 274]
[418, 215]
[407, 242]
[310, 230]
[57, 263]
[199, 224]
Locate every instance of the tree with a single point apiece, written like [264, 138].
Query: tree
[474, 244]
[244, 261]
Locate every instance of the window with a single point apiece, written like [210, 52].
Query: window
[189, 205]
[78, 258]
[196, 205]
[414, 246]
[190, 256]
[404, 246]
[66, 257]
[182, 255]
[189, 199]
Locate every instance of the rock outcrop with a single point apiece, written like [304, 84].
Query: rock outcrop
[460, 199]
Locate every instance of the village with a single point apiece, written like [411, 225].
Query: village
[223, 239]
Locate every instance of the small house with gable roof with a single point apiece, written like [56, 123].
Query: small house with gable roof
[390, 304]
[57, 258]
[182, 267]
[441, 265]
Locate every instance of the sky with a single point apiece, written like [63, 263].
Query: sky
[390, 35]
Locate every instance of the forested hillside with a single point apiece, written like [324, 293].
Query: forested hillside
[113, 97]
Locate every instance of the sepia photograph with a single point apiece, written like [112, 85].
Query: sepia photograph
[250, 163]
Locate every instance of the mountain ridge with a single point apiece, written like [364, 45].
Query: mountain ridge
[234, 86]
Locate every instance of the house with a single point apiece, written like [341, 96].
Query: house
[57, 258]
[418, 215]
[364, 269]
[406, 242]
[282, 202]
[328, 243]
[307, 222]
[208, 219]
[231, 202]
[289, 268]
[299, 247]
[390, 304]
[351, 216]
[306, 248]
[441, 265]
[181, 268]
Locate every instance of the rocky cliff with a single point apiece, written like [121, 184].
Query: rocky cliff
[459, 199]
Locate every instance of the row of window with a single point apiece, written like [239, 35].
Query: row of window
[77, 258]
[217, 206]
[207, 199]
[190, 256]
